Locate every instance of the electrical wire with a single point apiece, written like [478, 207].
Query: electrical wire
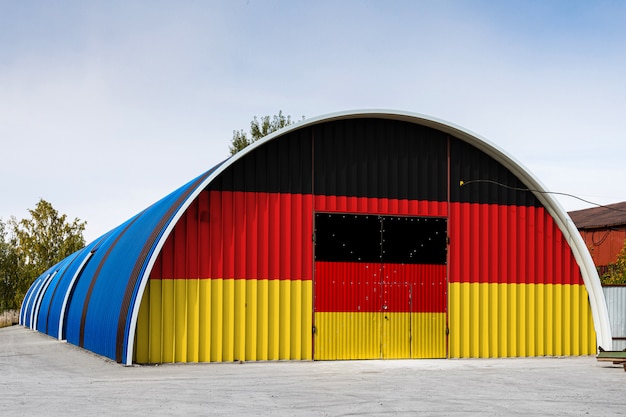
[607, 232]
[499, 184]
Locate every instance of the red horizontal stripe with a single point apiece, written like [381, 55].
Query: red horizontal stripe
[371, 287]
[225, 234]
[383, 206]
[248, 235]
[508, 244]
[268, 236]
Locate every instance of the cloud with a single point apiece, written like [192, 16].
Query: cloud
[105, 108]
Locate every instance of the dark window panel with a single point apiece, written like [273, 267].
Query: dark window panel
[347, 238]
[414, 240]
[371, 238]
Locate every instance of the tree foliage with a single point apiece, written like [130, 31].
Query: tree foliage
[9, 270]
[30, 246]
[259, 127]
[616, 273]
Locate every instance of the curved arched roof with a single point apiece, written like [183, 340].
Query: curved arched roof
[117, 266]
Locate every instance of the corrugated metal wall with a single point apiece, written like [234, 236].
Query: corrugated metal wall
[233, 282]
[515, 287]
[367, 311]
[377, 310]
[509, 320]
[236, 278]
[615, 296]
[43, 313]
[381, 159]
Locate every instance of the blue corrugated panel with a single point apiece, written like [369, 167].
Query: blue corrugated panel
[98, 317]
[23, 308]
[53, 295]
[47, 288]
[41, 291]
[26, 302]
[30, 299]
[60, 305]
[94, 290]
[82, 286]
[48, 312]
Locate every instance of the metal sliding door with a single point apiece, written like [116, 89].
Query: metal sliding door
[380, 286]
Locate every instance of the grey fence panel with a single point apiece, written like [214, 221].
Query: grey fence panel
[615, 296]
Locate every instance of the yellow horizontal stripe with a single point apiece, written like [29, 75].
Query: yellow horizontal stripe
[518, 320]
[227, 320]
[215, 320]
[379, 335]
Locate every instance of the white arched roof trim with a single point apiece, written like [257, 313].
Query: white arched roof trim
[37, 303]
[70, 289]
[564, 222]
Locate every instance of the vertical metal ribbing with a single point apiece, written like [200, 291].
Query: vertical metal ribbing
[129, 294]
[94, 278]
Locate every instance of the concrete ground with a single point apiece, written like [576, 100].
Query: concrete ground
[42, 376]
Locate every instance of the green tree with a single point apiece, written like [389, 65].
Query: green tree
[33, 245]
[617, 271]
[258, 129]
[9, 270]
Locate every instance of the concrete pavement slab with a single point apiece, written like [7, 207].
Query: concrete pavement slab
[42, 376]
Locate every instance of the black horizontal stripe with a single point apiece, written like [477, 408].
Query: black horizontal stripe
[495, 183]
[380, 158]
[375, 158]
[282, 165]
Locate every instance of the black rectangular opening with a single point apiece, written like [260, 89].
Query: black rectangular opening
[347, 238]
[414, 240]
[374, 238]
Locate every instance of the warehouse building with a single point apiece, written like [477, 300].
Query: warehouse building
[604, 232]
[356, 235]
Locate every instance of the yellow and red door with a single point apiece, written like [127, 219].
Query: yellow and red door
[380, 287]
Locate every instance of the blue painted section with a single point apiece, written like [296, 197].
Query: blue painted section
[23, 308]
[26, 302]
[67, 299]
[96, 305]
[79, 297]
[102, 297]
[32, 296]
[47, 292]
[41, 292]
[52, 302]
[174, 201]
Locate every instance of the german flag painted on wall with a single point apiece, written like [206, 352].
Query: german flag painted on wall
[353, 239]
[380, 281]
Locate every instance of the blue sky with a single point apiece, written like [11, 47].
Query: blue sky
[105, 107]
